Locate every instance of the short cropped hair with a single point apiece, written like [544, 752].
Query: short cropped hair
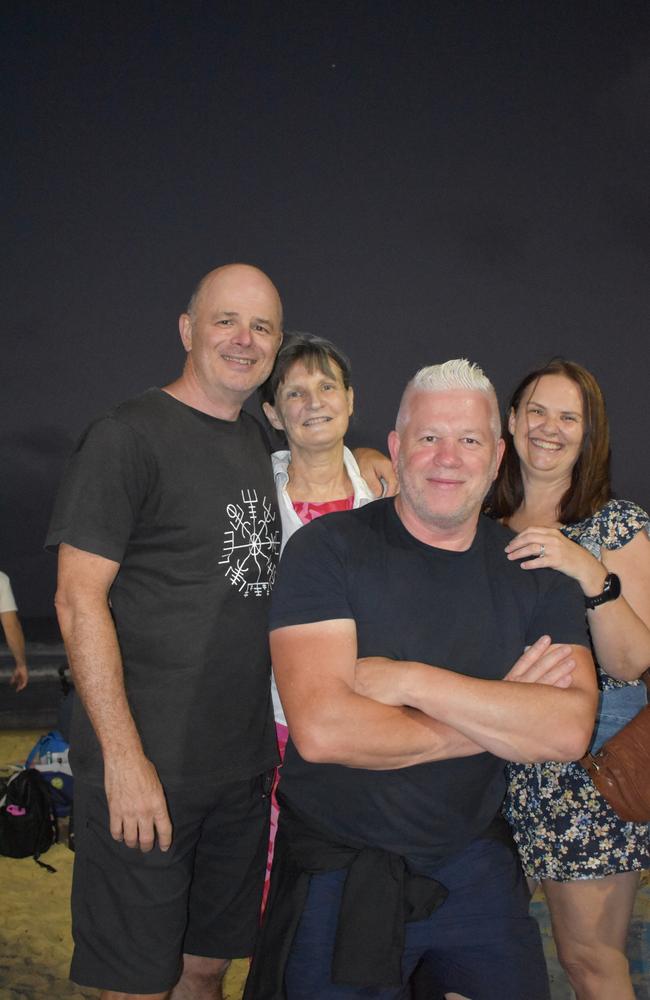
[193, 301]
[459, 373]
[313, 352]
[190, 309]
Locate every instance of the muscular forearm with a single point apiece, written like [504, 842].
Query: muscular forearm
[137, 808]
[332, 723]
[519, 722]
[96, 664]
[360, 732]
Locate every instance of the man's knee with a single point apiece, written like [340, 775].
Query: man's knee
[210, 968]
[201, 978]
[112, 995]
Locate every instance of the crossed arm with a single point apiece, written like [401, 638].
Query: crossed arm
[387, 715]
[136, 800]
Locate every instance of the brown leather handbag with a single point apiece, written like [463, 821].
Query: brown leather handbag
[620, 770]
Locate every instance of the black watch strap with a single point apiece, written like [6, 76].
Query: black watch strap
[611, 590]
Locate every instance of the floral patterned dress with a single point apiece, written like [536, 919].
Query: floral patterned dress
[563, 827]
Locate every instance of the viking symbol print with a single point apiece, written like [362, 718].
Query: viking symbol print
[251, 547]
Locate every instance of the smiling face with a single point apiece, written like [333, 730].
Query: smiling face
[548, 426]
[446, 457]
[312, 407]
[233, 332]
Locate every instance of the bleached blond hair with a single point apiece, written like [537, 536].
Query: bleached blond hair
[459, 373]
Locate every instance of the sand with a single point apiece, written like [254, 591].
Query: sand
[35, 940]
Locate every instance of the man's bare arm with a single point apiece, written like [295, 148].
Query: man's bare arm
[330, 722]
[138, 810]
[540, 719]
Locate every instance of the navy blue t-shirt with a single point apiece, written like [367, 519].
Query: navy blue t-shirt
[473, 612]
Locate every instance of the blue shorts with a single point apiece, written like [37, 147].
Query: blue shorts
[616, 707]
[481, 942]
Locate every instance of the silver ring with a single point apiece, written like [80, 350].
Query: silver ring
[542, 550]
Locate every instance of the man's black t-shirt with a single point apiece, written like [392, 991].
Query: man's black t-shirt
[185, 503]
[473, 612]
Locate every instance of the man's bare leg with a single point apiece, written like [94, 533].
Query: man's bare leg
[112, 995]
[202, 978]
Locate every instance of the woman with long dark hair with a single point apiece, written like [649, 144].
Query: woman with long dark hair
[554, 491]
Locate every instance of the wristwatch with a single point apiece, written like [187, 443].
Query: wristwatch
[611, 590]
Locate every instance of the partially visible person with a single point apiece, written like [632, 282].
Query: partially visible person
[394, 773]
[554, 491]
[13, 633]
[309, 398]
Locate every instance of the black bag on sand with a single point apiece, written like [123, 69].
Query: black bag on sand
[28, 825]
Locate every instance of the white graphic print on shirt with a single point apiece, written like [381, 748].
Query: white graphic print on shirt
[251, 548]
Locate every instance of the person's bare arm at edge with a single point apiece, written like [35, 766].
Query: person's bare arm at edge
[330, 722]
[543, 718]
[136, 801]
[15, 640]
[377, 470]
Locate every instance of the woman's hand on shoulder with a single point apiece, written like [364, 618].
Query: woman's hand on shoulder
[378, 472]
[548, 548]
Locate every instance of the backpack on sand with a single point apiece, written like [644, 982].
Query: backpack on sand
[49, 756]
[27, 823]
[50, 751]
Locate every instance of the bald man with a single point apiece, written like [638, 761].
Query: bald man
[168, 535]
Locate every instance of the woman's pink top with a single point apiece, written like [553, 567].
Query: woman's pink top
[308, 511]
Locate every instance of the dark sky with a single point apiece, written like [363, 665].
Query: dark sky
[422, 181]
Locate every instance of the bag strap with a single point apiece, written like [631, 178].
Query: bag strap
[42, 864]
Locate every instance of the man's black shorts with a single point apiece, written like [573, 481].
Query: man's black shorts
[135, 914]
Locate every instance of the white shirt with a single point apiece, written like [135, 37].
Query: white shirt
[7, 601]
[291, 522]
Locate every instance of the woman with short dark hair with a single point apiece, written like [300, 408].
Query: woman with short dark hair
[309, 398]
